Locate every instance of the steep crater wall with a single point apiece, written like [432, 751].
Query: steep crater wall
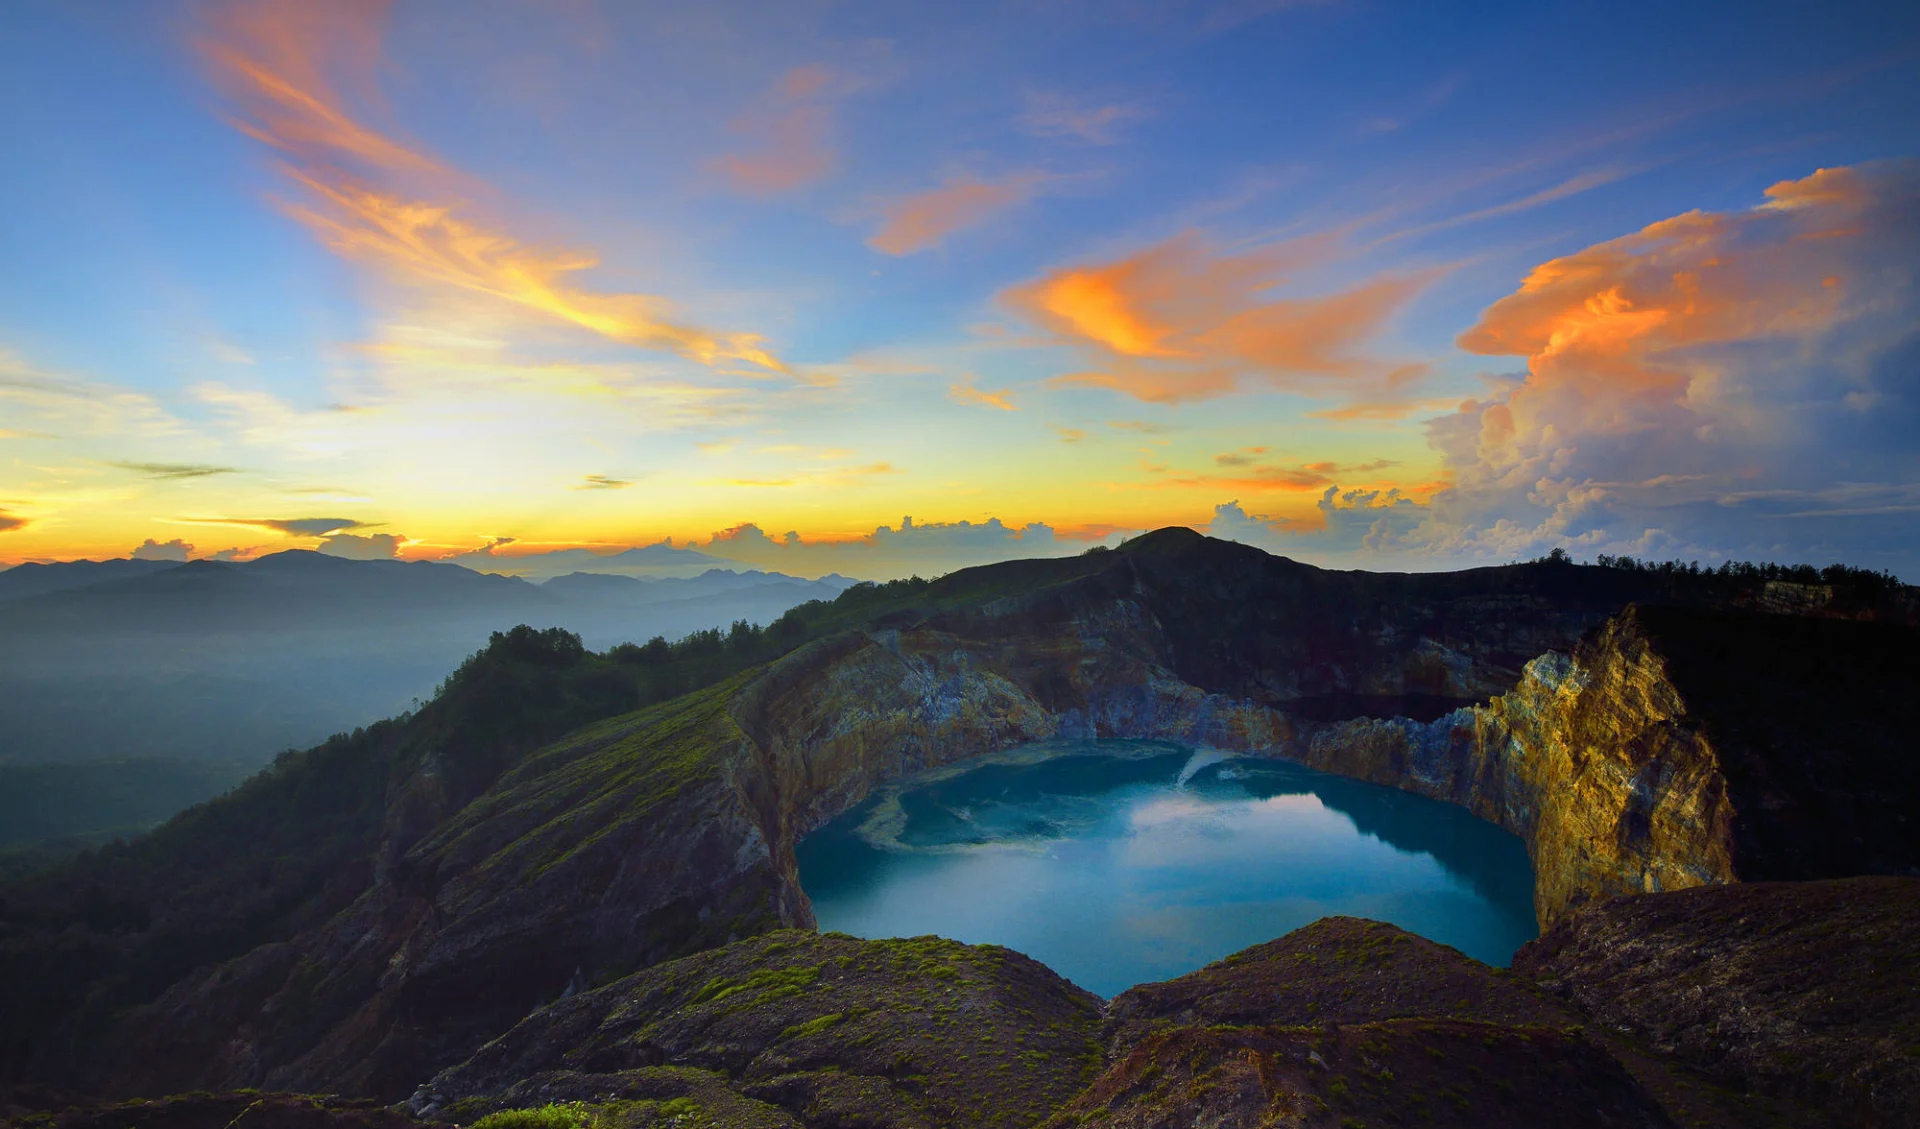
[1677, 748]
[669, 831]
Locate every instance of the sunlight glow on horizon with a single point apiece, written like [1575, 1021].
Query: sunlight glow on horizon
[469, 279]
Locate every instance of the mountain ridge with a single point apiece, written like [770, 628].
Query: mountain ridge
[563, 868]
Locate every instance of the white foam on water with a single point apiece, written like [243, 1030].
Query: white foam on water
[1200, 759]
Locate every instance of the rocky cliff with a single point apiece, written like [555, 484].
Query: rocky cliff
[1679, 747]
[668, 831]
[1343, 1021]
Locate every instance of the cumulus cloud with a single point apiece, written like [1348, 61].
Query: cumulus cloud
[1717, 384]
[925, 219]
[151, 550]
[928, 549]
[1717, 375]
[370, 547]
[1182, 321]
[1348, 527]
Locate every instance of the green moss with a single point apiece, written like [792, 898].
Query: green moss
[573, 1115]
[772, 984]
[813, 1026]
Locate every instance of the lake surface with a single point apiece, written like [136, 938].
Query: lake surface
[1120, 862]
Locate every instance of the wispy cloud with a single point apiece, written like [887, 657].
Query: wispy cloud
[1381, 410]
[966, 392]
[1182, 321]
[174, 470]
[10, 522]
[1055, 115]
[603, 482]
[827, 476]
[1572, 186]
[292, 527]
[375, 199]
[789, 134]
[1243, 457]
[67, 405]
[925, 219]
[1247, 472]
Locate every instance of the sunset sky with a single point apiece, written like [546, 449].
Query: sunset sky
[1372, 284]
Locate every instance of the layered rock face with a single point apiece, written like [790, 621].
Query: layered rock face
[671, 830]
[1678, 748]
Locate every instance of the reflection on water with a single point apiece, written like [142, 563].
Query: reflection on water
[1118, 862]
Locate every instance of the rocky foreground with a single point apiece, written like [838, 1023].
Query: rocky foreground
[606, 916]
[1682, 1009]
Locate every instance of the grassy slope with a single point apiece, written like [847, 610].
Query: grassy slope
[825, 1027]
[296, 843]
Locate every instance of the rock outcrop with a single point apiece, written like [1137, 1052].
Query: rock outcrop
[1806, 990]
[661, 833]
[1339, 970]
[1343, 1021]
[1344, 974]
[1679, 747]
[1441, 1072]
[804, 1029]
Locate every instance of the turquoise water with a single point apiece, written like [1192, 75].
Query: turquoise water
[1120, 862]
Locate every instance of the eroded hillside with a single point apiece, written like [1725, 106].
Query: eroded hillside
[476, 874]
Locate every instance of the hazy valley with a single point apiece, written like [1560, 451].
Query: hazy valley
[368, 914]
[189, 676]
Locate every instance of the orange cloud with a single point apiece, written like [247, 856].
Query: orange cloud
[790, 134]
[915, 223]
[1279, 477]
[429, 244]
[1603, 328]
[1178, 321]
[375, 199]
[1702, 351]
[964, 392]
[1381, 410]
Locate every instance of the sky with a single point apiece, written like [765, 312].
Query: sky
[885, 289]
